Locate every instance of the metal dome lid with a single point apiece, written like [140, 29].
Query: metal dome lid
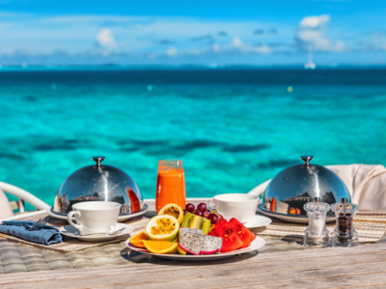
[98, 183]
[296, 185]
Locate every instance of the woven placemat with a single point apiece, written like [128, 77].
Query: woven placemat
[370, 225]
[73, 244]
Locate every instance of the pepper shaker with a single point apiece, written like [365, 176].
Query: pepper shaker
[316, 234]
[344, 234]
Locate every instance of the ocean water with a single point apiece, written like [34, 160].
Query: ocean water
[234, 128]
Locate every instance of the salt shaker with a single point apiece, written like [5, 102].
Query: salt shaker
[316, 234]
[344, 234]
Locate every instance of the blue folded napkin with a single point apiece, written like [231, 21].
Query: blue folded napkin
[46, 236]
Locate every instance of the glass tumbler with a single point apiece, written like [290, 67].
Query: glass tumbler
[170, 184]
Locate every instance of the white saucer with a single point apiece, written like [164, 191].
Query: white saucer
[70, 231]
[255, 245]
[256, 221]
[120, 218]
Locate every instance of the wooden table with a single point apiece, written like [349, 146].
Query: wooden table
[359, 267]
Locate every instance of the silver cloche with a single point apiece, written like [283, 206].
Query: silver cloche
[99, 182]
[296, 185]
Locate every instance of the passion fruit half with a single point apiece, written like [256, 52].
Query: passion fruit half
[162, 228]
[173, 210]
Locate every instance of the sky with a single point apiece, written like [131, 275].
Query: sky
[144, 32]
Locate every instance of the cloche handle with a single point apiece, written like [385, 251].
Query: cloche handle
[307, 160]
[98, 160]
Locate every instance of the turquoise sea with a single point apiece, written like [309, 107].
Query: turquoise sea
[233, 127]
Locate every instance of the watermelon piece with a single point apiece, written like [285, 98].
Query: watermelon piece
[217, 231]
[227, 231]
[227, 228]
[231, 242]
[243, 232]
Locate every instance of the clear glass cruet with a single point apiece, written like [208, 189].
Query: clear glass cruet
[316, 234]
[344, 234]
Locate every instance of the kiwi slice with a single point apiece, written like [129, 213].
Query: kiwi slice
[185, 221]
[196, 222]
[192, 221]
[206, 226]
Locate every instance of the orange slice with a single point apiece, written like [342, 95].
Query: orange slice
[138, 239]
[160, 247]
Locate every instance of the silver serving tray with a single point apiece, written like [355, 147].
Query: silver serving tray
[290, 218]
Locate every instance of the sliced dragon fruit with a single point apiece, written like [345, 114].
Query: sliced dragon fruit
[194, 242]
[191, 230]
[190, 240]
[210, 244]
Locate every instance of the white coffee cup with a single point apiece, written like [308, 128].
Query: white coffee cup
[239, 206]
[95, 217]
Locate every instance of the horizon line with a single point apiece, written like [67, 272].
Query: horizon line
[112, 66]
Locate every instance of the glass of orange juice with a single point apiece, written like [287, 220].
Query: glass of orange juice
[170, 184]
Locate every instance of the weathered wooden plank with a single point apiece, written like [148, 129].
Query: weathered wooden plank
[289, 257]
[370, 281]
[294, 279]
[190, 275]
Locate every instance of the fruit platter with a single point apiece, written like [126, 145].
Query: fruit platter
[193, 235]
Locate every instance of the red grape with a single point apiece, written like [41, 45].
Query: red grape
[190, 207]
[220, 217]
[213, 218]
[202, 207]
[199, 213]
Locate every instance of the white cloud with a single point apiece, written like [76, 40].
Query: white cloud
[315, 21]
[375, 42]
[263, 49]
[311, 35]
[105, 38]
[340, 46]
[216, 47]
[172, 51]
[250, 49]
[236, 41]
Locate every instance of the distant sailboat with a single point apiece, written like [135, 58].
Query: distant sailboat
[309, 64]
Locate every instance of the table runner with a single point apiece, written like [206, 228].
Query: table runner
[73, 244]
[370, 225]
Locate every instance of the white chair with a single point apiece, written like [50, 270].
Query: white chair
[6, 207]
[257, 191]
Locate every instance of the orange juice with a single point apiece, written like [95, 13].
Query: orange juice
[170, 186]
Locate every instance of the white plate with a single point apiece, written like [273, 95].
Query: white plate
[120, 218]
[255, 245]
[295, 219]
[71, 231]
[256, 221]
